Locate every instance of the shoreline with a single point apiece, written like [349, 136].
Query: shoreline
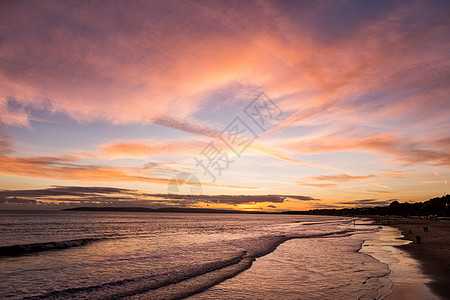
[406, 277]
[302, 273]
[433, 249]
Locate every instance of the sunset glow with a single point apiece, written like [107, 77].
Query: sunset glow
[104, 103]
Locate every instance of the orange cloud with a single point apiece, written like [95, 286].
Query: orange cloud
[394, 174]
[65, 168]
[377, 192]
[156, 66]
[152, 148]
[339, 178]
[403, 150]
[318, 185]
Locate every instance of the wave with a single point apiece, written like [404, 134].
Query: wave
[139, 285]
[325, 222]
[17, 250]
[185, 281]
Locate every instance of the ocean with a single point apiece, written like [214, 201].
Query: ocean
[139, 255]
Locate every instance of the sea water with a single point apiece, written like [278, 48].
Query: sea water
[107, 255]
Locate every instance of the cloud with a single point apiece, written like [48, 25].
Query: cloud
[378, 192]
[318, 185]
[78, 191]
[324, 206]
[188, 125]
[15, 200]
[339, 178]
[240, 199]
[394, 174]
[78, 195]
[70, 194]
[161, 56]
[400, 149]
[152, 148]
[279, 155]
[367, 202]
[66, 168]
[237, 199]
[144, 57]
[271, 206]
[301, 198]
[119, 196]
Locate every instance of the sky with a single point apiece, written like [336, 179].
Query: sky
[252, 105]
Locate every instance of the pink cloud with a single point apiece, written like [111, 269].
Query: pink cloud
[67, 168]
[318, 185]
[143, 66]
[400, 149]
[339, 178]
[151, 148]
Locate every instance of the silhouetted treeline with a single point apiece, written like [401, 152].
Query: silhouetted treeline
[439, 206]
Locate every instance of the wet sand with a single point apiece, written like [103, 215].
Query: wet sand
[406, 277]
[433, 250]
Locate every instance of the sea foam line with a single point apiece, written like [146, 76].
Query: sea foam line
[185, 281]
[17, 250]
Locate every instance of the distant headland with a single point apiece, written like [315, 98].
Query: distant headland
[163, 209]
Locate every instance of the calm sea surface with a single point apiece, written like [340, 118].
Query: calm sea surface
[107, 255]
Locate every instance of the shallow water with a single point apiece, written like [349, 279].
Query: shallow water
[161, 255]
[322, 268]
[408, 280]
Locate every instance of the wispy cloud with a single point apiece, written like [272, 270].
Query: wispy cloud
[402, 150]
[377, 192]
[318, 185]
[188, 125]
[394, 174]
[239, 199]
[367, 202]
[152, 148]
[67, 168]
[282, 156]
[67, 194]
[339, 178]
[178, 70]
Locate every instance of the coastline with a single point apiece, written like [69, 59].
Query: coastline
[433, 251]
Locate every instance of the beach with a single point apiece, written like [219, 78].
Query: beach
[433, 251]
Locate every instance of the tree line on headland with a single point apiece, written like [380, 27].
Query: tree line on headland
[439, 206]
